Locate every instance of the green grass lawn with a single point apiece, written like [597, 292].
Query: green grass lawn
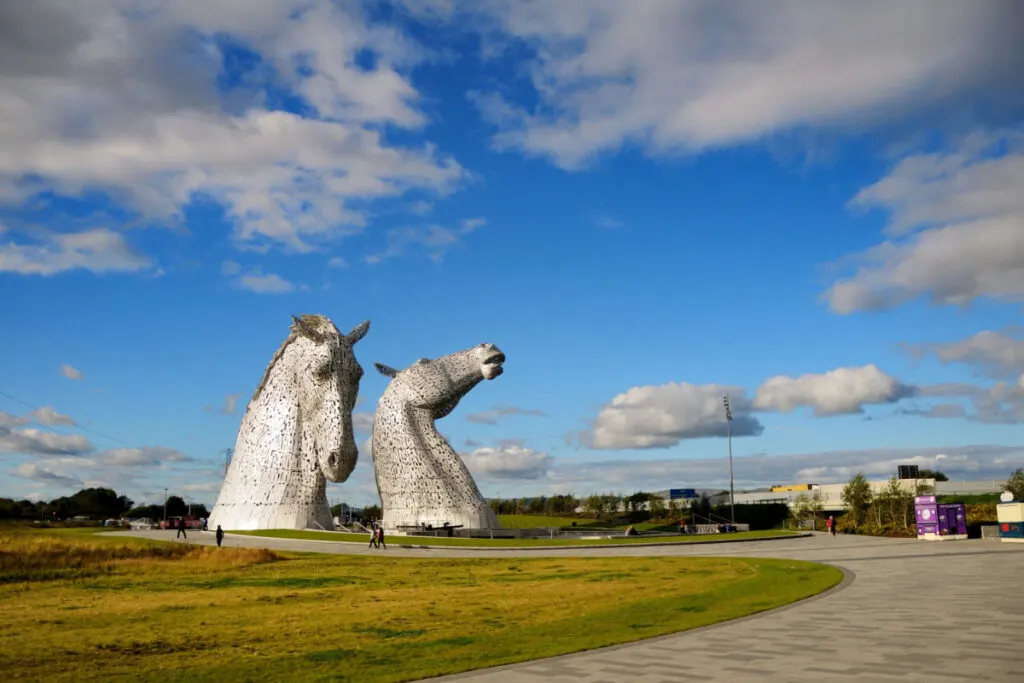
[146, 611]
[509, 542]
[542, 521]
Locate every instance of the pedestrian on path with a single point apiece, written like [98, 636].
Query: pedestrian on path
[380, 538]
[181, 528]
[220, 535]
[373, 537]
[831, 523]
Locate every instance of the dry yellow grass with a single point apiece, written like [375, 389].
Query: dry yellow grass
[321, 617]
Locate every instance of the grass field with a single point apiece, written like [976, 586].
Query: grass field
[508, 542]
[139, 611]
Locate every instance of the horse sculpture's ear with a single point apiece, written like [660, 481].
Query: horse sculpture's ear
[385, 370]
[358, 332]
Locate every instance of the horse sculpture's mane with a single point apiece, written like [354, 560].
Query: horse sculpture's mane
[304, 326]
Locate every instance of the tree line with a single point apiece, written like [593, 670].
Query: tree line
[95, 503]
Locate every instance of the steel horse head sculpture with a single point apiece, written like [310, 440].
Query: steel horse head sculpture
[296, 432]
[421, 479]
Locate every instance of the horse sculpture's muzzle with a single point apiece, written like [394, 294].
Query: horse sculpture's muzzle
[491, 367]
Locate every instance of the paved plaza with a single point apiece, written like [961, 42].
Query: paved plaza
[908, 610]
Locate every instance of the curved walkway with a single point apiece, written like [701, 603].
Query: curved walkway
[908, 610]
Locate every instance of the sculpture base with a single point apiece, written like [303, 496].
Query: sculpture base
[245, 518]
[467, 519]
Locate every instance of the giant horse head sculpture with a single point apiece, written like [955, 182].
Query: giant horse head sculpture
[296, 432]
[420, 478]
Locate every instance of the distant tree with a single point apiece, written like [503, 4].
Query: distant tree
[701, 507]
[1015, 484]
[30, 509]
[857, 496]
[9, 509]
[932, 474]
[807, 507]
[657, 506]
[199, 510]
[592, 505]
[126, 504]
[535, 506]
[176, 507]
[372, 512]
[61, 508]
[98, 503]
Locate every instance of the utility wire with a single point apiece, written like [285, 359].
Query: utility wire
[82, 427]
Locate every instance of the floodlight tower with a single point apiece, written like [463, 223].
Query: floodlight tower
[228, 452]
[728, 428]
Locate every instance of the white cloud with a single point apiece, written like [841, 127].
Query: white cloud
[31, 441]
[71, 373]
[836, 392]
[624, 475]
[51, 418]
[362, 422]
[507, 462]
[230, 403]
[122, 98]
[675, 76]
[435, 240]
[662, 416]
[1000, 403]
[993, 352]
[30, 470]
[99, 250]
[268, 283]
[956, 230]
[492, 417]
[337, 262]
[138, 457]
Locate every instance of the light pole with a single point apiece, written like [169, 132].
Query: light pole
[728, 428]
[165, 505]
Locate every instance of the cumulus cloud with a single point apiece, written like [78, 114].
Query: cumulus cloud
[35, 472]
[1000, 403]
[99, 251]
[125, 99]
[959, 463]
[230, 403]
[837, 392]
[362, 422]
[51, 418]
[146, 456]
[956, 232]
[673, 76]
[994, 353]
[508, 461]
[492, 417]
[264, 283]
[30, 441]
[662, 416]
[435, 240]
[71, 373]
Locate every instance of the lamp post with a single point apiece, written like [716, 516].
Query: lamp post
[728, 428]
[165, 505]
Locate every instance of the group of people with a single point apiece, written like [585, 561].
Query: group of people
[831, 524]
[181, 531]
[377, 537]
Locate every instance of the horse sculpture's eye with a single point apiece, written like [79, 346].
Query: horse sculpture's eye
[326, 370]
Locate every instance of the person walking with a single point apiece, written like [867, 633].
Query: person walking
[831, 525]
[373, 537]
[181, 528]
[220, 535]
[380, 538]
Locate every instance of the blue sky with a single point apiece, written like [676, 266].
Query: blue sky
[644, 205]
